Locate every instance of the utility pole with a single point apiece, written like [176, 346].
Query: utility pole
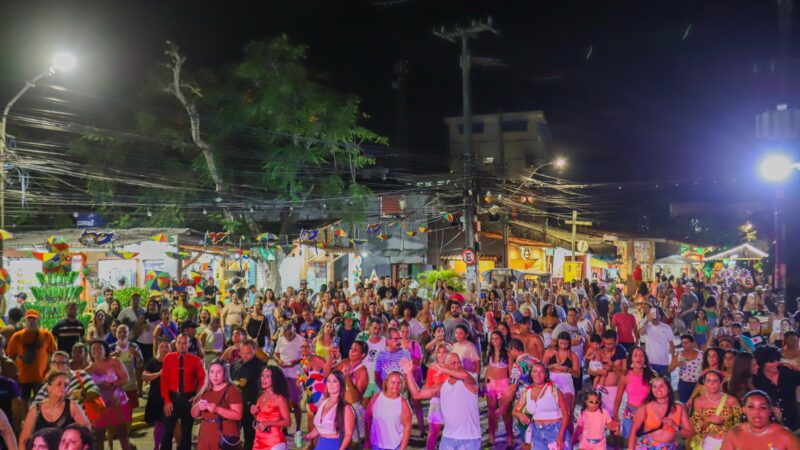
[464, 34]
[574, 222]
[503, 172]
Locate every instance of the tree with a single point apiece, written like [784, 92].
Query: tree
[264, 128]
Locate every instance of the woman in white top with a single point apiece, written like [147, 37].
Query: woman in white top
[544, 408]
[388, 417]
[334, 421]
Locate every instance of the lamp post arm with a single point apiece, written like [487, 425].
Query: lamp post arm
[30, 84]
[525, 182]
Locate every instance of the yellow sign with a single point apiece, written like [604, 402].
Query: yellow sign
[572, 271]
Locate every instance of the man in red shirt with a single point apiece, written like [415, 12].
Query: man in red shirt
[625, 324]
[182, 375]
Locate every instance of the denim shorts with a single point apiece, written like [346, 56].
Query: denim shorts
[541, 436]
[459, 444]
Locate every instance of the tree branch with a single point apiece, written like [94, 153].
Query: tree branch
[175, 88]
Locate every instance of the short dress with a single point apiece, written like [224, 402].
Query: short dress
[313, 385]
[118, 409]
[154, 409]
[267, 440]
[208, 434]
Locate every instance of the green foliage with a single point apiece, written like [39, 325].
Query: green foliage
[428, 279]
[124, 295]
[275, 130]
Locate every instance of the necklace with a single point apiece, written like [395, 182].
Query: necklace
[761, 433]
[712, 398]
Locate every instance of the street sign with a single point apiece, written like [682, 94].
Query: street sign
[468, 256]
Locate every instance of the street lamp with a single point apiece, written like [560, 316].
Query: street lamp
[61, 62]
[776, 168]
[560, 163]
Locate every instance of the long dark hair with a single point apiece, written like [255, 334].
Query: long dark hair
[503, 350]
[341, 403]
[279, 384]
[741, 375]
[670, 394]
[51, 437]
[647, 372]
[720, 358]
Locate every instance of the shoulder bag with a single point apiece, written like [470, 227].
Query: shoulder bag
[229, 442]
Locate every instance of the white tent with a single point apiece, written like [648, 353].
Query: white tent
[674, 260]
[744, 252]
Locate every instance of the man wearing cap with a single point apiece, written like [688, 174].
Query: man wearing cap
[21, 299]
[347, 333]
[660, 342]
[189, 328]
[31, 348]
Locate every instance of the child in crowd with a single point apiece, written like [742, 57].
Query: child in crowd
[592, 424]
[594, 356]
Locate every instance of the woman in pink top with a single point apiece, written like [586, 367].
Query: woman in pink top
[636, 383]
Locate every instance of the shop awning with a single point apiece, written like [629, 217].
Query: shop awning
[599, 263]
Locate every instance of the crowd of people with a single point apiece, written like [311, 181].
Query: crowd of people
[694, 363]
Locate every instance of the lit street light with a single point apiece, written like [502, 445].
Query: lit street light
[61, 62]
[777, 168]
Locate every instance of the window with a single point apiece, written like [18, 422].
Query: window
[477, 127]
[513, 125]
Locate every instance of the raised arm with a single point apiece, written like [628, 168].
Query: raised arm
[417, 393]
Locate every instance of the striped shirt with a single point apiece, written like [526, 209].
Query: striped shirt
[73, 386]
[389, 362]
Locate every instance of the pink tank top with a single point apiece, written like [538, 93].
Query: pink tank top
[636, 389]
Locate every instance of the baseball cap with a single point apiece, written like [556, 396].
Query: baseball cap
[21, 295]
[303, 281]
[349, 315]
[188, 324]
[32, 313]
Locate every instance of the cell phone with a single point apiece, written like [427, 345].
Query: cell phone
[336, 341]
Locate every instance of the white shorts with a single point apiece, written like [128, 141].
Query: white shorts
[609, 397]
[564, 382]
[435, 412]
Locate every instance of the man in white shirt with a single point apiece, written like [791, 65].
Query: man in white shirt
[288, 353]
[659, 342]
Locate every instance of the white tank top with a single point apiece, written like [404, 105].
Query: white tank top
[460, 410]
[545, 406]
[387, 429]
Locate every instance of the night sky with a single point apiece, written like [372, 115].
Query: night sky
[633, 91]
